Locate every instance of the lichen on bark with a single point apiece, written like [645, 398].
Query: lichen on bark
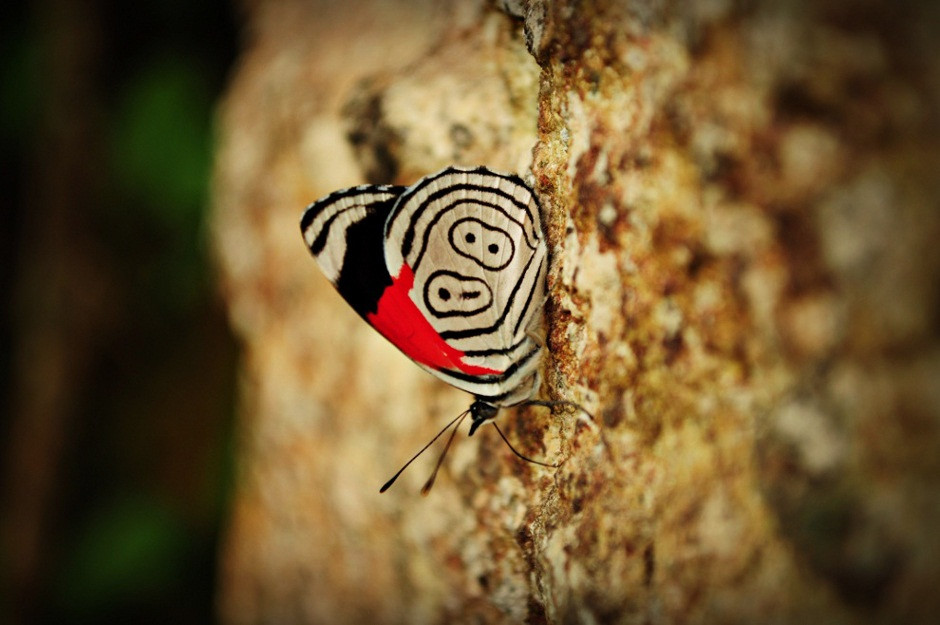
[741, 206]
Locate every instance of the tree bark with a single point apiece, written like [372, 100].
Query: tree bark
[741, 202]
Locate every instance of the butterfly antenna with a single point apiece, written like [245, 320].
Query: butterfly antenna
[526, 458]
[427, 485]
[423, 449]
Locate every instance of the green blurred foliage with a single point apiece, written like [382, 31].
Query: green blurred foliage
[128, 552]
[146, 464]
[160, 157]
[20, 88]
[160, 141]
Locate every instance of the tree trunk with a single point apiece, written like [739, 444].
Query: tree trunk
[741, 202]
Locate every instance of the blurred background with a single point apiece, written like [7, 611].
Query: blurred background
[118, 367]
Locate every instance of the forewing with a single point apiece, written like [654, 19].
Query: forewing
[344, 232]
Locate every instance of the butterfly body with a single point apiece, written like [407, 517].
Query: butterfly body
[451, 270]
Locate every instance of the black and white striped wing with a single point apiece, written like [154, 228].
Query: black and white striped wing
[473, 240]
[345, 233]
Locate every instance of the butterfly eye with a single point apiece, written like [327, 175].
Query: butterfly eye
[444, 294]
[470, 237]
[493, 248]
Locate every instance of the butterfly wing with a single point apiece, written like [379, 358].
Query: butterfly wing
[465, 248]
[345, 233]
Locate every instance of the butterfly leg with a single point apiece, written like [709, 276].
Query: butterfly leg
[538, 339]
[583, 414]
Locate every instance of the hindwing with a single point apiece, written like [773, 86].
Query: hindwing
[472, 240]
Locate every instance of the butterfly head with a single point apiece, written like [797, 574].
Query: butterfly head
[480, 413]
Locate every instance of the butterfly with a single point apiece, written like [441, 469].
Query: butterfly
[452, 271]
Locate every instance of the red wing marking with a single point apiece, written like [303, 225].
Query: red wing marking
[399, 320]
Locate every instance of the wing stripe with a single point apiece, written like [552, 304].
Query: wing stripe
[540, 278]
[408, 239]
[462, 334]
[425, 239]
[486, 379]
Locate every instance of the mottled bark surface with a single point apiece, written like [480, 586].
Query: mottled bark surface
[742, 206]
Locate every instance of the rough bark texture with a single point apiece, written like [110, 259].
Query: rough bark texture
[742, 205]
